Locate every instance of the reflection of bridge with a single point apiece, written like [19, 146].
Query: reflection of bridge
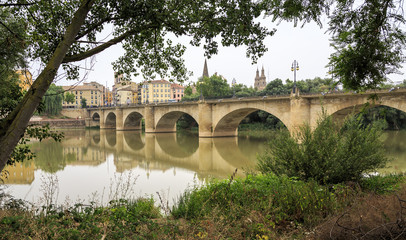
[219, 118]
[165, 150]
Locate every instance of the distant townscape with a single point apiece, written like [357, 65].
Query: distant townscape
[126, 92]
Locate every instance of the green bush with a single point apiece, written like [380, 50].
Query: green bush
[277, 198]
[331, 153]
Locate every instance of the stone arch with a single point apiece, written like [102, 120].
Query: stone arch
[133, 121]
[111, 120]
[96, 117]
[228, 124]
[167, 123]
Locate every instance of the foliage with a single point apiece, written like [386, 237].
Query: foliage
[53, 100]
[382, 184]
[369, 40]
[12, 44]
[83, 102]
[328, 154]
[368, 35]
[214, 86]
[394, 118]
[280, 199]
[69, 97]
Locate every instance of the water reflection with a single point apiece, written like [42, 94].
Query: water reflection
[208, 157]
[395, 144]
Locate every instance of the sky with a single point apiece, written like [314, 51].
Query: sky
[309, 45]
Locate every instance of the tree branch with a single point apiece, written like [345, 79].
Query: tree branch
[94, 26]
[93, 51]
[16, 4]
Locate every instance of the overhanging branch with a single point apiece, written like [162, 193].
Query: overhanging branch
[98, 49]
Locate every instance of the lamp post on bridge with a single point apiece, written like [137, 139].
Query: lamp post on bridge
[294, 68]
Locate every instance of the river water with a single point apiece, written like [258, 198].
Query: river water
[101, 165]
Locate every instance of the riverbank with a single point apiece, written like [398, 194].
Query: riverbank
[253, 207]
[58, 122]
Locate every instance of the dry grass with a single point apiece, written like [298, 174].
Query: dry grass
[371, 216]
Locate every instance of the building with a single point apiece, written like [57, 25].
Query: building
[205, 69]
[177, 92]
[125, 96]
[157, 91]
[25, 78]
[260, 81]
[92, 92]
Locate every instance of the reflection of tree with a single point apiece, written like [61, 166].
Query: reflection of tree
[49, 157]
[188, 141]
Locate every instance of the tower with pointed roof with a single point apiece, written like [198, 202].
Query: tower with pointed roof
[260, 81]
[205, 69]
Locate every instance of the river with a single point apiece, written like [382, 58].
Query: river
[101, 165]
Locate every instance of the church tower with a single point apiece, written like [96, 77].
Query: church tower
[260, 81]
[205, 69]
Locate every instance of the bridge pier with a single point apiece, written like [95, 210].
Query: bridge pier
[149, 119]
[205, 120]
[299, 113]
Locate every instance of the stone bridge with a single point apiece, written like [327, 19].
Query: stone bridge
[220, 118]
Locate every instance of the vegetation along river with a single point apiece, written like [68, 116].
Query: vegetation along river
[100, 165]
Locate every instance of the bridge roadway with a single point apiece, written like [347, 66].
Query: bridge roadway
[221, 117]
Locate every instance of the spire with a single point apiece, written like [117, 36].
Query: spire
[262, 72]
[205, 70]
[257, 76]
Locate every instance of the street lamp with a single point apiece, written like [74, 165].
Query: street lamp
[233, 83]
[330, 71]
[294, 68]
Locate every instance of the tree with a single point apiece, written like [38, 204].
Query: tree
[69, 97]
[83, 103]
[63, 32]
[214, 86]
[368, 36]
[328, 154]
[53, 100]
[276, 87]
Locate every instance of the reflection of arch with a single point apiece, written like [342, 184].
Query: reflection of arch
[229, 151]
[167, 123]
[111, 138]
[169, 144]
[133, 121]
[96, 117]
[96, 138]
[110, 120]
[228, 124]
[134, 140]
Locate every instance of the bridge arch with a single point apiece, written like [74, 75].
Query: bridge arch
[96, 117]
[110, 121]
[229, 122]
[339, 112]
[133, 121]
[167, 122]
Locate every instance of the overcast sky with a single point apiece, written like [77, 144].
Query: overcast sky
[309, 45]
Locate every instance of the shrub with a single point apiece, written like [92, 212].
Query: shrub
[279, 199]
[331, 153]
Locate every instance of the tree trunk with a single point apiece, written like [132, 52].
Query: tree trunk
[14, 125]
